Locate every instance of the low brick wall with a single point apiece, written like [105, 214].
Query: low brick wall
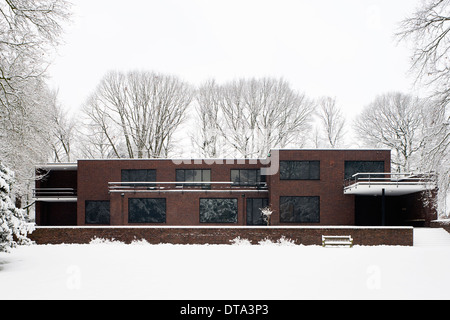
[444, 224]
[370, 236]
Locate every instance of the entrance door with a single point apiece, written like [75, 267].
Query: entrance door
[254, 206]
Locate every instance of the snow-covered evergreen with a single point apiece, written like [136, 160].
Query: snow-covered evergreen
[13, 226]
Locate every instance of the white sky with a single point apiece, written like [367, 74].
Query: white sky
[341, 48]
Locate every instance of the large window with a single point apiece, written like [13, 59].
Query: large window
[97, 212]
[194, 175]
[299, 170]
[352, 167]
[138, 175]
[218, 210]
[254, 206]
[146, 210]
[300, 209]
[247, 177]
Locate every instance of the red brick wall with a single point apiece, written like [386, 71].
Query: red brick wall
[181, 208]
[335, 207]
[222, 235]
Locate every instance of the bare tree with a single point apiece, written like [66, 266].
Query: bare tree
[253, 116]
[207, 133]
[28, 29]
[396, 121]
[429, 30]
[332, 122]
[144, 109]
[25, 132]
[63, 128]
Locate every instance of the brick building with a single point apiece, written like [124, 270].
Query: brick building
[302, 187]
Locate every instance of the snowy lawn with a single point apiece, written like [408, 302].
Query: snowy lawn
[142, 271]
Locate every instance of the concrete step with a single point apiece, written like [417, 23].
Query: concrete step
[428, 237]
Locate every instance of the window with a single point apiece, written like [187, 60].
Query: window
[299, 209]
[97, 212]
[247, 177]
[146, 210]
[218, 210]
[352, 167]
[138, 175]
[299, 170]
[254, 206]
[194, 175]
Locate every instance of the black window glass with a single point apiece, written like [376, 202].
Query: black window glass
[299, 170]
[138, 175]
[299, 209]
[188, 175]
[194, 175]
[146, 210]
[180, 175]
[254, 206]
[352, 167]
[97, 212]
[235, 176]
[249, 177]
[218, 210]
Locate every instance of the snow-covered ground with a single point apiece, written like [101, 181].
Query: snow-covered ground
[141, 271]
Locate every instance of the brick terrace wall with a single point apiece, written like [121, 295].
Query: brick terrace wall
[370, 236]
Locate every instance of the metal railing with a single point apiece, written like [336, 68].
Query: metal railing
[179, 186]
[390, 178]
[54, 193]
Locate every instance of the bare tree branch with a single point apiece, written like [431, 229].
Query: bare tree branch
[143, 108]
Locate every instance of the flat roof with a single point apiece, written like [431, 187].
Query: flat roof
[73, 165]
[58, 166]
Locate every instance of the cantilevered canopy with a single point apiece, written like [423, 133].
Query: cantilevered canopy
[394, 184]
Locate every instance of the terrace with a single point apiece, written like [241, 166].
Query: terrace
[55, 194]
[391, 183]
[191, 186]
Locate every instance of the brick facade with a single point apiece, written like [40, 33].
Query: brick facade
[91, 179]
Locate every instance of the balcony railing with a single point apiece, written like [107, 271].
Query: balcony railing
[203, 186]
[54, 193]
[401, 183]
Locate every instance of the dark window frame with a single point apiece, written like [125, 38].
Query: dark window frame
[182, 172]
[219, 222]
[130, 200]
[348, 175]
[300, 221]
[86, 215]
[259, 178]
[310, 175]
[152, 179]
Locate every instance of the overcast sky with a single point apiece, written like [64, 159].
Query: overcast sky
[345, 49]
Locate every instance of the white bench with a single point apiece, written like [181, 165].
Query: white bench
[337, 241]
